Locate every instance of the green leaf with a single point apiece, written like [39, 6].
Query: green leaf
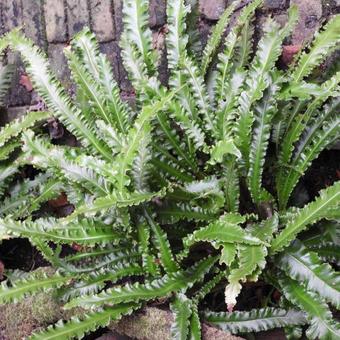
[53, 93]
[180, 307]
[100, 69]
[137, 32]
[263, 112]
[256, 320]
[324, 137]
[328, 199]
[269, 50]
[79, 326]
[176, 39]
[30, 285]
[223, 230]
[181, 280]
[162, 244]
[223, 148]
[15, 127]
[322, 324]
[305, 266]
[6, 74]
[216, 37]
[324, 43]
[84, 231]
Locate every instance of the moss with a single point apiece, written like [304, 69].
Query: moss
[142, 326]
[20, 319]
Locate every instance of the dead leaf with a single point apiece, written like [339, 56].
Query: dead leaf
[26, 82]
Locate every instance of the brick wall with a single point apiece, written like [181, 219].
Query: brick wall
[51, 24]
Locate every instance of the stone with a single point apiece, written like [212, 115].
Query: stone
[55, 17]
[58, 63]
[274, 4]
[77, 16]
[288, 53]
[310, 13]
[102, 20]
[157, 13]
[212, 10]
[33, 21]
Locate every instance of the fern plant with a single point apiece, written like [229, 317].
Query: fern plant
[188, 164]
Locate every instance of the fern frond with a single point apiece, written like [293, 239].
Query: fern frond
[149, 260]
[162, 244]
[31, 284]
[100, 69]
[216, 37]
[79, 326]
[173, 213]
[137, 32]
[199, 92]
[176, 39]
[264, 113]
[328, 252]
[225, 58]
[140, 130]
[26, 197]
[54, 95]
[59, 159]
[269, 50]
[305, 266]
[328, 199]
[6, 173]
[114, 201]
[256, 320]
[195, 324]
[208, 286]
[322, 324]
[79, 231]
[324, 43]
[250, 258]
[231, 185]
[321, 139]
[6, 74]
[7, 149]
[222, 230]
[181, 310]
[15, 127]
[181, 280]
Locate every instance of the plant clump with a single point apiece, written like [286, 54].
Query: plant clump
[188, 192]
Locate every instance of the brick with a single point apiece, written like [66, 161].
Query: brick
[33, 21]
[212, 10]
[102, 19]
[77, 16]
[58, 63]
[12, 14]
[310, 12]
[274, 4]
[55, 17]
[157, 13]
